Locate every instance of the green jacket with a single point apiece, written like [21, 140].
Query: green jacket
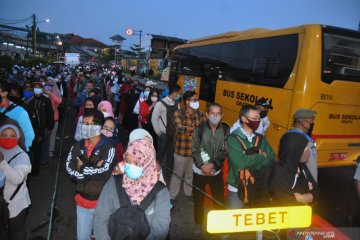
[240, 161]
[212, 142]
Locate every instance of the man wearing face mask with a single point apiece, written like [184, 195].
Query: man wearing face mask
[249, 153]
[41, 101]
[208, 152]
[89, 164]
[80, 99]
[159, 121]
[264, 106]
[304, 124]
[186, 120]
[38, 116]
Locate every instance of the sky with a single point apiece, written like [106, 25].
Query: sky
[186, 19]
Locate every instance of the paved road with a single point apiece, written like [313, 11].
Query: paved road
[337, 205]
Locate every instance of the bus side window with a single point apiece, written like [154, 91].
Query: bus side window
[211, 73]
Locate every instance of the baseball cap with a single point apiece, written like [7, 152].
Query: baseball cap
[150, 83]
[264, 102]
[304, 113]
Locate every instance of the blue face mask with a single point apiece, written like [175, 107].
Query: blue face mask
[28, 94]
[178, 99]
[132, 171]
[146, 94]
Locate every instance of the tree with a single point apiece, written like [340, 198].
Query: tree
[138, 50]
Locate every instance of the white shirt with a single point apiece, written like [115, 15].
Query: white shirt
[16, 173]
[357, 173]
[249, 137]
[264, 124]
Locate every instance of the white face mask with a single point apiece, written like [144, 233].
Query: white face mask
[37, 90]
[154, 99]
[89, 131]
[106, 114]
[194, 105]
[214, 120]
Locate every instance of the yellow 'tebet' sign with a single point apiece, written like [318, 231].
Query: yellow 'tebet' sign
[257, 219]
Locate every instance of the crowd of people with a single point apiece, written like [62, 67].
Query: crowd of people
[134, 145]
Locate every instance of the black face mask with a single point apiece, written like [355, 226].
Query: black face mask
[15, 99]
[263, 114]
[310, 129]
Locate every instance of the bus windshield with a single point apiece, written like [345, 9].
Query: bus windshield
[341, 57]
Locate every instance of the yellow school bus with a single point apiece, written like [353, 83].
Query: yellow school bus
[310, 66]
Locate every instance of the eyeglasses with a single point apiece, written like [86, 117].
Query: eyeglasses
[86, 123]
[108, 129]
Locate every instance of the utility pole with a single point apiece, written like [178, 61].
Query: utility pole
[34, 35]
[140, 32]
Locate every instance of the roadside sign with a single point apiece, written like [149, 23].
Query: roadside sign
[258, 219]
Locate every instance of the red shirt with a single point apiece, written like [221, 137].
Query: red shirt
[79, 200]
[144, 111]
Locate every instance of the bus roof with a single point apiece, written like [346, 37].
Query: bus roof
[227, 35]
[255, 32]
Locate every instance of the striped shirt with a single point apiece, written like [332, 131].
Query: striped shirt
[183, 140]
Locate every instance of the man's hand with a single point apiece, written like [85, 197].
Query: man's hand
[207, 169]
[189, 129]
[100, 163]
[304, 198]
[263, 153]
[79, 163]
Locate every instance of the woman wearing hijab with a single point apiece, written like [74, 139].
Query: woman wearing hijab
[291, 182]
[106, 108]
[15, 165]
[139, 179]
[110, 131]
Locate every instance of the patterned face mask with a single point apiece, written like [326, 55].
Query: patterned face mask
[89, 131]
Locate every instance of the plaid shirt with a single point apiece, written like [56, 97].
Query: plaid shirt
[183, 140]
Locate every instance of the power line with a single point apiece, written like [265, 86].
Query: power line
[14, 21]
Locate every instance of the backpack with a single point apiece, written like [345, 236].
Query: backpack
[170, 120]
[253, 184]
[3, 116]
[129, 221]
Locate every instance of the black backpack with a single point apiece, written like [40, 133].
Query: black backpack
[170, 120]
[129, 221]
[3, 116]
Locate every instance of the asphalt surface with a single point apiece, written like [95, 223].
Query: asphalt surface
[338, 203]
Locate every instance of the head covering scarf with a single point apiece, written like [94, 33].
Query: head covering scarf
[144, 153]
[12, 127]
[139, 133]
[291, 148]
[55, 88]
[108, 107]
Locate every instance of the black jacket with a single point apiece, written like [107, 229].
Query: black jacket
[91, 178]
[289, 176]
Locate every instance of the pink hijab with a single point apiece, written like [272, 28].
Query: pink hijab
[108, 107]
[144, 153]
